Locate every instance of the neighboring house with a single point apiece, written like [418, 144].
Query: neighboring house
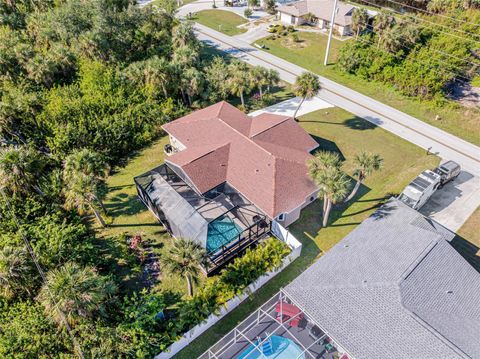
[230, 174]
[393, 288]
[294, 14]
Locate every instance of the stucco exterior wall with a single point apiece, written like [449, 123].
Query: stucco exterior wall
[176, 143]
[286, 18]
[294, 214]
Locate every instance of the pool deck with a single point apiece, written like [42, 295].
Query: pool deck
[266, 322]
[299, 335]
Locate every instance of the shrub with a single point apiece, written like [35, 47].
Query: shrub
[290, 28]
[248, 12]
[143, 326]
[295, 37]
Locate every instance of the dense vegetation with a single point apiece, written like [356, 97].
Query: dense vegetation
[423, 55]
[83, 84]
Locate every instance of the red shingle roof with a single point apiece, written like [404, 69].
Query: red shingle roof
[263, 157]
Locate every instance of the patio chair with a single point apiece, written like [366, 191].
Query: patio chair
[315, 332]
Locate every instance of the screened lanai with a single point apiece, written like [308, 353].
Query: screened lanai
[278, 329]
[221, 221]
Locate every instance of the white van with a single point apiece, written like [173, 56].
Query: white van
[420, 189]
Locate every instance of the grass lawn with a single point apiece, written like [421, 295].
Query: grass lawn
[221, 20]
[335, 130]
[310, 52]
[128, 215]
[184, 2]
[467, 241]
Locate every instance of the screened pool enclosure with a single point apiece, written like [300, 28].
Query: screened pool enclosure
[222, 221]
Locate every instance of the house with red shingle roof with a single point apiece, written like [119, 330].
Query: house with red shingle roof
[239, 172]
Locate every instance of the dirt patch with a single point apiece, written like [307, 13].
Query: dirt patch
[291, 44]
[465, 94]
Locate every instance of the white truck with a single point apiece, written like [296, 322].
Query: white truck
[424, 186]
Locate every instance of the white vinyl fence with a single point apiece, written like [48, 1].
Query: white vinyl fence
[282, 234]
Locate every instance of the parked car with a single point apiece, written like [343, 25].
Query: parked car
[448, 171]
[420, 189]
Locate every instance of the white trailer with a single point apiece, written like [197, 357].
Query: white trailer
[420, 189]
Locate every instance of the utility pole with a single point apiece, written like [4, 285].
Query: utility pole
[332, 22]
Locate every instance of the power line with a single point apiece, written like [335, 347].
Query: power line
[430, 22]
[432, 13]
[42, 275]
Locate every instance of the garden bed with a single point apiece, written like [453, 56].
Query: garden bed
[269, 259]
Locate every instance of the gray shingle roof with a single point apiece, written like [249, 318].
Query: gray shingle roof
[395, 288]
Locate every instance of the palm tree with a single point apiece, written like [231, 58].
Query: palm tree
[359, 20]
[76, 291]
[183, 35]
[259, 77]
[333, 185]
[152, 73]
[366, 163]
[306, 86]
[272, 78]
[84, 175]
[193, 81]
[184, 259]
[83, 193]
[88, 163]
[392, 39]
[323, 162]
[383, 21]
[240, 80]
[15, 271]
[20, 169]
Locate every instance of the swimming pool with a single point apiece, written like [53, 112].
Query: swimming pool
[221, 232]
[282, 348]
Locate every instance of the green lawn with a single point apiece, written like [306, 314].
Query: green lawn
[310, 52]
[184, 2]
[336, 130]
[467, 241]
[128, 215]
[221, 20]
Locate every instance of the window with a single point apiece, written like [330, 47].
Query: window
[281, 217]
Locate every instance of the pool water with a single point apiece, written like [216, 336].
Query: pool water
[283, 348]
[221, 232]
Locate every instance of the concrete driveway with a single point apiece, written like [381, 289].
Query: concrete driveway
[454, 203]
[254, 33]
[288, 107]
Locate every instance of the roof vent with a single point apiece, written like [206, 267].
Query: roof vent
[364, 281]
[449, 291]
[346, 245]
[256, 170]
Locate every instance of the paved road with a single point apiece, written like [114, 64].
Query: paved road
[439, 142]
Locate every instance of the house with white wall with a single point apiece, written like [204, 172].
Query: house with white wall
[296, 13]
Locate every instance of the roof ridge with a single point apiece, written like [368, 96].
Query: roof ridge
[269, 128]
[246, 137]
[280, 156]
[211, 150]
